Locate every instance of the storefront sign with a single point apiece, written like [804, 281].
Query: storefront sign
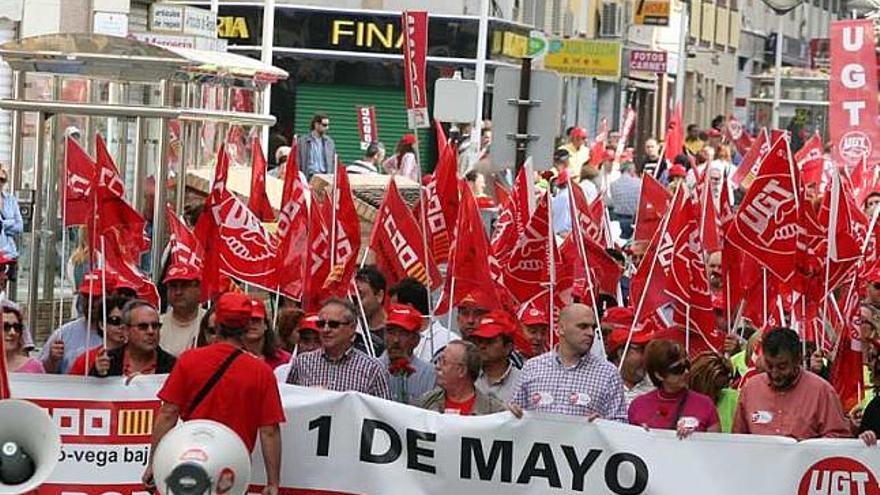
[415, 53]
[183, 19]
[179, 41]
[647, 61]
[853, 93]
[651, 13]
[584, 58]
[367, 128]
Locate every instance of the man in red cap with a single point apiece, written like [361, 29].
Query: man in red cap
[494, 338]
[632, 373]
[73, 338]
[410, 377]
[180, 324]
[536, 325]
[676, 175]
[338, 365]
[244, 395]
[469, 313]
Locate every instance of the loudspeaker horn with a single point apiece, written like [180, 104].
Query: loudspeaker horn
[27, 428]
[203, 457]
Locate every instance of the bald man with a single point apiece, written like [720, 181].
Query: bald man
[568, 379]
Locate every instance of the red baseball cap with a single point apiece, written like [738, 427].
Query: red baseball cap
[641, 335]
[408, 139]
[6, 259]
[532, 315]
[182, 272]
[472, 300]
[677, 170]
[618, 317]
[713, 133]
[579, 132]
[495, 323]
[258, 308]
[94, 281]
[233, 309]
[309, 322]
[405, 317]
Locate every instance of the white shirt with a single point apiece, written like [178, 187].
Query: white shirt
[590, 190]
[177, 337]
[442, 336]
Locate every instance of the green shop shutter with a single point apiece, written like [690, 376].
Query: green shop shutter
[339, 102]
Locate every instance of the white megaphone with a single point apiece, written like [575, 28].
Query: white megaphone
[30, 445]
[201, 457]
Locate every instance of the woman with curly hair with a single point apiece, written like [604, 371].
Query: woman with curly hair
[710, 375]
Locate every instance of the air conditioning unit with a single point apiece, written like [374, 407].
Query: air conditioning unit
[611, 20]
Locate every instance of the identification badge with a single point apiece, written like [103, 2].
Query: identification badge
[579, 399]
[689, 422]
[542, 398]
[762, 417]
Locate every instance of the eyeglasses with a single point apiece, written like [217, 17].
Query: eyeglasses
[331, 324]
[442, 361]
[143, 327]
[9, 327]
[114, 320]
[679, 369]
[325, 123]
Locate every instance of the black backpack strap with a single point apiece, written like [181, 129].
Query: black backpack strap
[213, 380]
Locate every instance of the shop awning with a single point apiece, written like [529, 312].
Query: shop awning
[215, 64]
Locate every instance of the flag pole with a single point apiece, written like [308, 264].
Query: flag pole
[423, 218]
[63, 237]
[764, 309]
[368, 338]
[632, 328]
[104, 291]
[551, 262]
[334, 199]
[832, 241]
[687, 329]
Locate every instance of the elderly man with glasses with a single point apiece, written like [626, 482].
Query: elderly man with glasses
[141, 355]
[337, 365]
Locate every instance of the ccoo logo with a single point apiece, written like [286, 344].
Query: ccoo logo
[854, 145]
[839, 476]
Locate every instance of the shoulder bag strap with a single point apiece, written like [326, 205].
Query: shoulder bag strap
[213, 380]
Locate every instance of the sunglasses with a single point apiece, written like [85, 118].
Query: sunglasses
[9, 327]
[331, 324]
[325, 124]
[114, 320]
[3, 180]
[679, 368]
[143, 327]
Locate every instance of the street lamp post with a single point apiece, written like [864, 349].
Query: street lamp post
[781, 7]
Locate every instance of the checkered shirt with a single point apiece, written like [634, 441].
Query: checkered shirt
[625, 193]
[593, 385]
[354, 371]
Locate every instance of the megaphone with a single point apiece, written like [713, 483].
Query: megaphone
[201, 457]
[29, 446]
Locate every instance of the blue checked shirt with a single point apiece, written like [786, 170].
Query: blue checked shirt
[625, 192]
[593, 385]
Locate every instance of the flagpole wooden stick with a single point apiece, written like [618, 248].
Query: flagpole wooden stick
[368, 338]
[687, 329]
[104, 292]
[423, 219]
[333, 200]
[727, 302]
[637, 314]
[63, 238]
[276, 311]
[764, 309]
[551, 261]
[781, 311]
[835, 209]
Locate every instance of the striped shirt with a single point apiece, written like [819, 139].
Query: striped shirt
[593, 385]
[354, 371]
[406, 389]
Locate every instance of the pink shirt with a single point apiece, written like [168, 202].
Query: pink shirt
[657, 409]
[809, 409]
[32, 365]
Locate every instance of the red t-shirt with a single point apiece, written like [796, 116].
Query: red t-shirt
[79, 366]
[464, 408]
[245, 398]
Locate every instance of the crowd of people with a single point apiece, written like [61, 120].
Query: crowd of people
[225, 360]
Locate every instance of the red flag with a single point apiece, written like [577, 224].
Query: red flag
[318, 262]
[441, 201]
[258, 201]
[709, 232]
[597, 151]
[245, 249]
[653, 203]
[766, 224]
[527, 273]
[185, 248]
[347, 232]
[748, 168]
[810, 160]
[415, 50]
[469, 260]
[111, 211]
[293, 232]
[734, 133]
[118, 260]
[207, 230]
[605, 273]
[502, 195]
[846, 368]
[108, 174]
[629, 122]
[674, 135]
[397, 242]
[79, 173]
[585, 213]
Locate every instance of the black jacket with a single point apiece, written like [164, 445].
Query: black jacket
[164, 362]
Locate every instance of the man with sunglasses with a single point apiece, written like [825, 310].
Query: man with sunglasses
[338, 365]
[788, 400]
[141, 355]
[569, 379]
[317, 150]
[223, 383]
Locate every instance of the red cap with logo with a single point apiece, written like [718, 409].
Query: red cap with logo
[495, 323]
[618, 317]
[404, 317]
[677, 170]
[532, 315]
[233, 310]
[579, 132]
[641, 335]
[182, 272]
[94, 281]
[309, 322]
[258, 308]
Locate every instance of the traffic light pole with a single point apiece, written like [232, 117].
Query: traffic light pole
[522, 117]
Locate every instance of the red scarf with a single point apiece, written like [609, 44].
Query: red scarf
[401, 366]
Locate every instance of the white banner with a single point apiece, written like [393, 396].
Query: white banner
[353, 444]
